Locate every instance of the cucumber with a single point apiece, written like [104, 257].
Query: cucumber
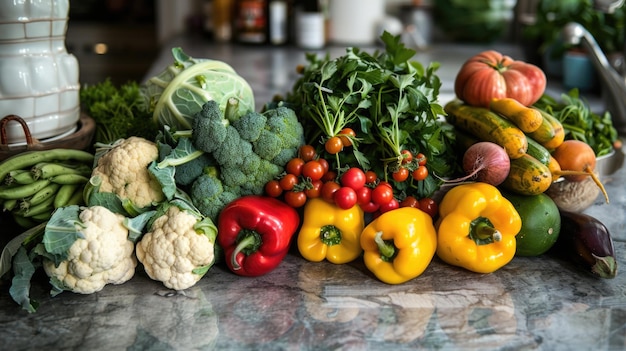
[539, 152]
[527, 176]
[487, 126]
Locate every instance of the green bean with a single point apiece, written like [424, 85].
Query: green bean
[43, 207]
[43, 194]
[76, 199]
[23, 221]
[23, 191]
[47, 170]
[21, 176]
[30, 158]
[9, 204]
[69, 179]
[64, 194]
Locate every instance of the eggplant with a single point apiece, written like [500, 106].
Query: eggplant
[587, 243]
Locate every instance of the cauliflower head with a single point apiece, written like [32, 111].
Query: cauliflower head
[174, 249]
[104, 255]
[123, 170]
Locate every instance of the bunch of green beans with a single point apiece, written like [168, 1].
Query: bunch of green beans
[35, 183]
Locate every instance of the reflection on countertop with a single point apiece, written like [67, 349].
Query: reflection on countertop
[532, 303]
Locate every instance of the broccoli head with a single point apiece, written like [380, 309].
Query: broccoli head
[248, 151]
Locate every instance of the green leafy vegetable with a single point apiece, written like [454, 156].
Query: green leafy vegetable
[388, 99]
[580, 123]
[119, 112]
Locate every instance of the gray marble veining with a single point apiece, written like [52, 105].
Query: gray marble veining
[538, 303]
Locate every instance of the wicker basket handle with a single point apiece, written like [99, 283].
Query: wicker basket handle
[30, 141]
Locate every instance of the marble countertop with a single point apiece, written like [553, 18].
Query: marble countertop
[538, 303]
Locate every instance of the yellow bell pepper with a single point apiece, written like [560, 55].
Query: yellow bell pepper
[399, 244]
[329, 232]
[477, 227]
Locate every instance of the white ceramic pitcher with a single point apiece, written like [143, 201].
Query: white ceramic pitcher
[38, 77]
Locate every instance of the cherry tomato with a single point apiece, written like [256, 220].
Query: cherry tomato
[410, 201]
[353, 178]
[420, 173]
[429, 206]
[307, 152]
[313, 169]
[328, 190]
[401, 174]
[345, 140]
[364, 195]
[421, 159]
[370, 207]
[407, 156]
[324, 164]
[315, 190]
[273, 189]
[329, 176]
[288, 181]
[345, 197]
[333, 145]
[370, 177]
[382, 194]
[294, 166]
[390, 205]
[295, 198]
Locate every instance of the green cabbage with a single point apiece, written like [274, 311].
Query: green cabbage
[178, 93]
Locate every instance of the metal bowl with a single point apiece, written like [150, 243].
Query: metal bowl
[578, 196]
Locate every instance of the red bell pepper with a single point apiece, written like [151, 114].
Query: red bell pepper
[255, 233]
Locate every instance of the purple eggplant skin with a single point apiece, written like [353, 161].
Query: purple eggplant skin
[586, 242]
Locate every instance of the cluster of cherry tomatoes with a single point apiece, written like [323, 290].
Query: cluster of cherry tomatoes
[308, 176]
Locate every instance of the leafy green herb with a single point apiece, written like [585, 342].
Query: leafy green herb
[119, 112]
[388, 99]
[580, 123]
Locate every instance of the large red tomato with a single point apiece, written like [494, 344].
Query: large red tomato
[490, 75]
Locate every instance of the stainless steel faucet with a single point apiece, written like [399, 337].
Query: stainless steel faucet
[612, 74]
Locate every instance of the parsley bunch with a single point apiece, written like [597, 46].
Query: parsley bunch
[119, 112]
[388, 99]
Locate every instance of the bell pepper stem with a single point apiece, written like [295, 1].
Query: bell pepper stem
[483, 232]
[330, 235]
[387, 249]
[248, 241]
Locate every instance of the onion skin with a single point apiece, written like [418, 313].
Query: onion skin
[587, 243]
[487, 162]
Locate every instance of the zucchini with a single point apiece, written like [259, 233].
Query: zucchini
[545, 132]
[525, 118]
[558, 132]
[539, 152]
[487, 126]
[527, 176]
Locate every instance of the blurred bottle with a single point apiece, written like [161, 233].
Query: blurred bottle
[278, 29]
[310, 25]
[222, 12]
[251, 21]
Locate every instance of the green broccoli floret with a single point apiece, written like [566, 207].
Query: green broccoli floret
[250, 125]
[209, 195]
[187, 172]
[281, 137]
[208, 131]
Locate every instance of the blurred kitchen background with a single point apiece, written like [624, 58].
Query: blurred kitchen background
[119, 39]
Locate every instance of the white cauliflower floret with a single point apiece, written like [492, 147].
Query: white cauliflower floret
[123, 170]
[175, 247]
[104, 256]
